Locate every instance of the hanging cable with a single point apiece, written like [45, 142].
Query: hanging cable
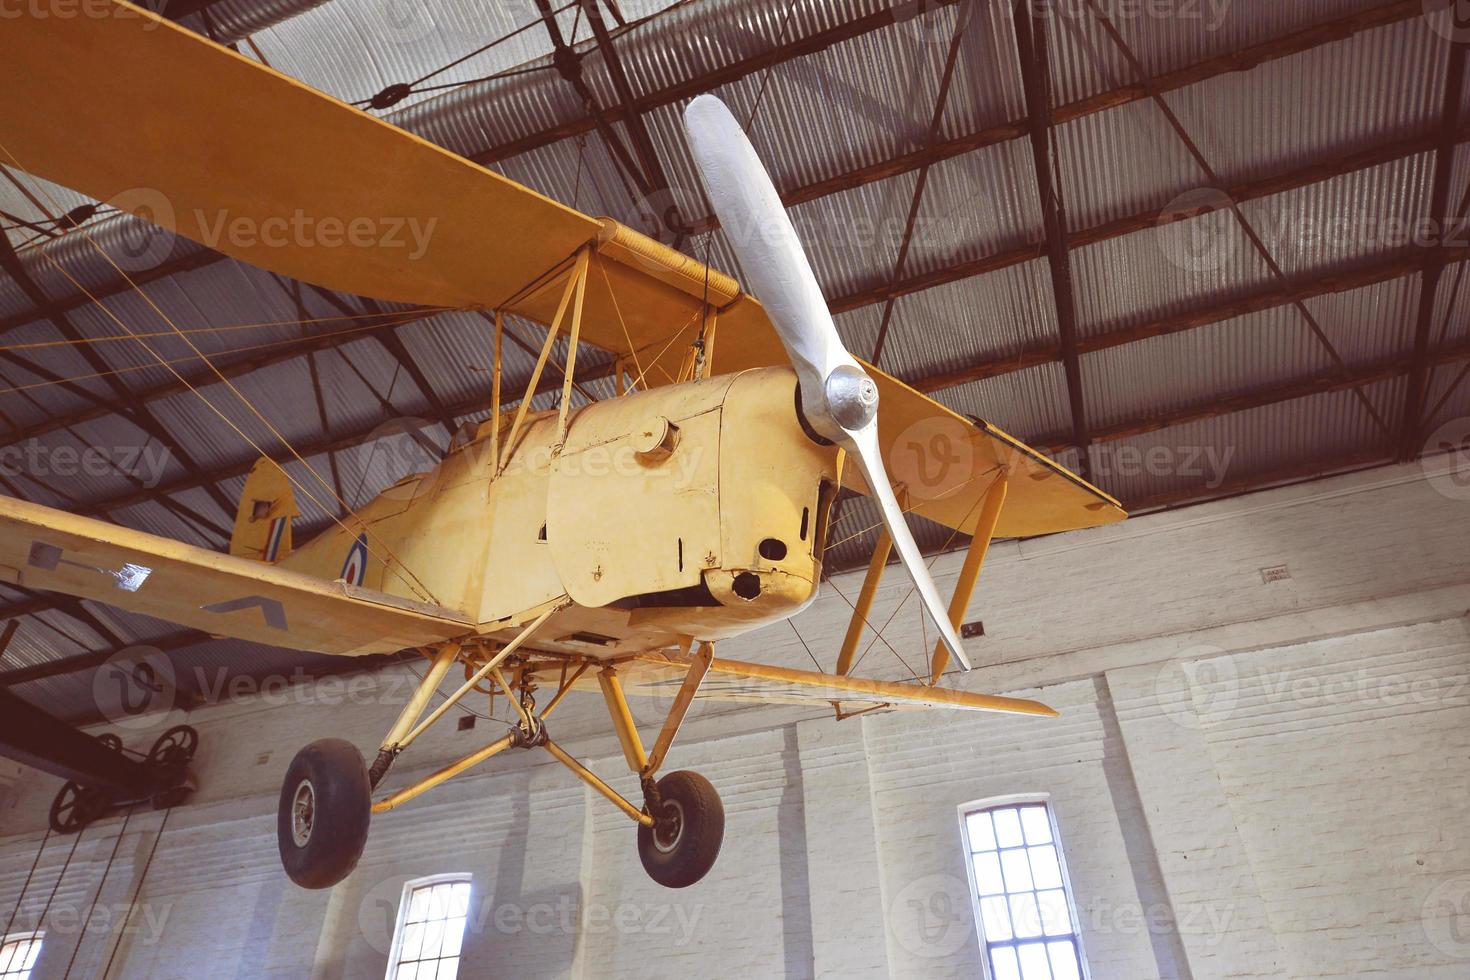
[137, 890]
[106, 870]
[27, 883]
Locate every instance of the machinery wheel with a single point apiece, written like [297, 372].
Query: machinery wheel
[322, 821]
[682, 846]
[76, 806]
[175, 748]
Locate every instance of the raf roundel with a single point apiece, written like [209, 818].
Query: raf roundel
[354, 568]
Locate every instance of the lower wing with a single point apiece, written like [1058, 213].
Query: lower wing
[44, 548]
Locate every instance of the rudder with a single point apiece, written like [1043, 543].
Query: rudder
[263, 519]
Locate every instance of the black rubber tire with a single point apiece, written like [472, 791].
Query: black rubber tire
[687, 857]
[336, 782]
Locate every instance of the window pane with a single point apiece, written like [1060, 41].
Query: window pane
[1064, 960]
[1017, 870]
[413, 942]
[459, 899]
[418, 906]
[438, 901]
[408, 971]
[987, 874]
[1025, 917]
[1036, 824]
[33, 949]
[995, 920]
[1045, 871]
[1056, 920]
[453, 937]
[448, 969]
[1003, 965]
[1007, 828]
[433, 939]
[1033, 962]
[982, 835]
[7, 953]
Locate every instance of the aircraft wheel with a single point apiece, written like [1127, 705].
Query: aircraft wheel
[322, 820]
[682, 846]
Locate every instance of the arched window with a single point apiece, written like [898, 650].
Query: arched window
[430, 930]
[1018, 882]
[18, 952]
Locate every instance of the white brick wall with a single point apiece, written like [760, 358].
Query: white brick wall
[1251, 780]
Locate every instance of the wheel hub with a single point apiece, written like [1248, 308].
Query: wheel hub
[303, 812]
[670, 827]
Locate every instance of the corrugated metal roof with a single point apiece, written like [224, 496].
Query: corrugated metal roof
[863, 102]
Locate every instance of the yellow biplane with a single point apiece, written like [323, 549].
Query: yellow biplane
[605, 548]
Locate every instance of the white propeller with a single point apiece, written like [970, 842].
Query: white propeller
[838, 398]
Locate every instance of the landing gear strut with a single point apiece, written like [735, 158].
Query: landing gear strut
[326, 798]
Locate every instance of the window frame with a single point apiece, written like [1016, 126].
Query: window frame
[38, 936]
[410, 886]
[1007, 802]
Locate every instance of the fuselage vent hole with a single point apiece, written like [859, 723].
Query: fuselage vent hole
[773, 549]
[747, 585]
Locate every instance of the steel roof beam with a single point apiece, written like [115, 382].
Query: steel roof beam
[1031, 42]
[1412, 421]
[1266, 298]
[1314, 384]
[1241, 59]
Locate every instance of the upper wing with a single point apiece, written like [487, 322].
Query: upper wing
[733, 680]
[49, 549]
[223, 138]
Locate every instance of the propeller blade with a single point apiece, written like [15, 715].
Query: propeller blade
[838, 398]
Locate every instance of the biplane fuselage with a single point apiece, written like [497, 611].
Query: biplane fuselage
[696, 510]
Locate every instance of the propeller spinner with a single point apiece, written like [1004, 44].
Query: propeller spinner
[838, 398]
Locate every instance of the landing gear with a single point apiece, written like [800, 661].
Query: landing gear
[322, 820]
[326, 800]
[689, 826]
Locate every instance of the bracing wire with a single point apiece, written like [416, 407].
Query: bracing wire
[393, 562]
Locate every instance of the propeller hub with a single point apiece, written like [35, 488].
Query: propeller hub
[852, 398]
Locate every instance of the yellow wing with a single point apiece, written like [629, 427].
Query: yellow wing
[198, 137]
[42, 548]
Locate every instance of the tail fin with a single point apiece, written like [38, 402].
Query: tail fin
[263, 521]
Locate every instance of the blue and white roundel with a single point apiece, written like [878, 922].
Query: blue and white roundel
[354, 569]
